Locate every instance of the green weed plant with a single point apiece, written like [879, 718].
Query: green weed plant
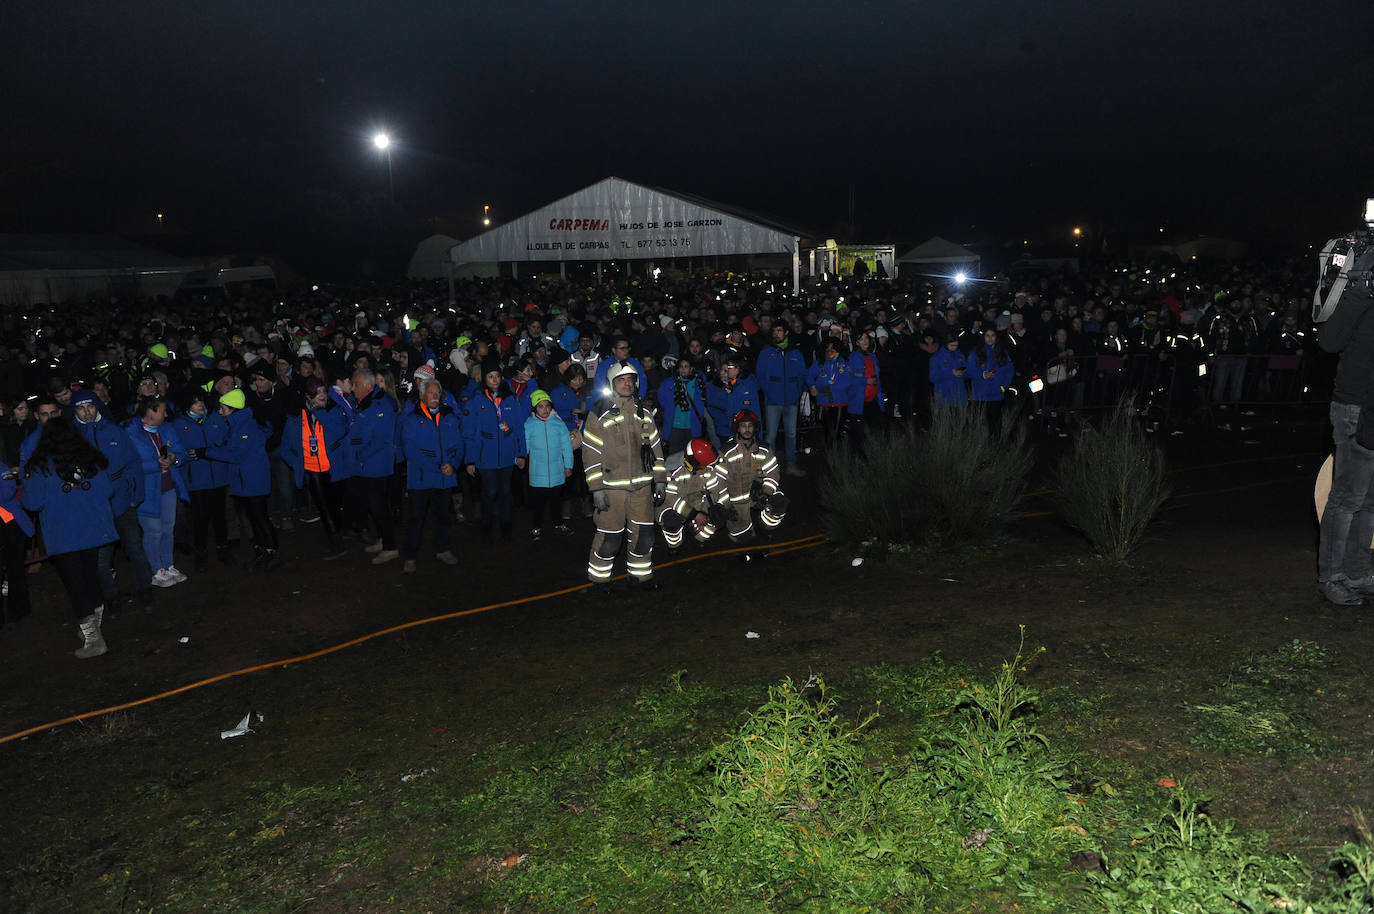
[1181, 861]
[1112, 483]
[948, 486]
[1265, 702]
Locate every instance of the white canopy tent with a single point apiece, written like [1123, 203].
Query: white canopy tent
[619, 220]
[430, 259]
[939, 254]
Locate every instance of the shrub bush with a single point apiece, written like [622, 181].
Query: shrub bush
[1112, 483]
[947, 486]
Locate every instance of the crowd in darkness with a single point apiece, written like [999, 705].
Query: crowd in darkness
[176, 400]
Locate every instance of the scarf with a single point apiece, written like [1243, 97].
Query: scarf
[681, 400]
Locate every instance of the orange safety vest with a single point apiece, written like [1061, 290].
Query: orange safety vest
[312, 444]
[6, 517]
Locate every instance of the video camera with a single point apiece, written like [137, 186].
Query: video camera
[1345, 262]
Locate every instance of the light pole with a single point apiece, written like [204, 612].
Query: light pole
[383, 143]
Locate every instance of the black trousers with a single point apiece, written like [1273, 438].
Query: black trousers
[540, 496]
[12, 549]
[421, 502]
[207, 508]
[255, 509]
[80, 575]
[366, 498]
[325, 496]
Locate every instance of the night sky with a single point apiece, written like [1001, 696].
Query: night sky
[1252, 118]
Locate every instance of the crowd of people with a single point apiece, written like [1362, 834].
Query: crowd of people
[667, 408]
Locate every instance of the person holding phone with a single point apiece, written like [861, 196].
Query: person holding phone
[162, 458]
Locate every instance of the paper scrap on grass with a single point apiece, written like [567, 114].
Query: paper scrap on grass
[856, 562]
[241, 729]
[184, 640]
[751, 634]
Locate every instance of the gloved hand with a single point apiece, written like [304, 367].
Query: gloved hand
[197, 453]
[660, 492]
[601, 500]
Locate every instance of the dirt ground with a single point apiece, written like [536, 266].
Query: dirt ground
[1229, 567]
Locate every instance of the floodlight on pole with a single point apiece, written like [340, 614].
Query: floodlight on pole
[382, 141]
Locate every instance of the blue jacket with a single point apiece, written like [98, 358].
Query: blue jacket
[344, 402]
[125, 469]
[724, 403]
[79, 518]
[373, 436]
[244, 453]
[565, 402]
[151, 506]
[427, 445]
[989, 390]
[9, 500]
[832, 381]
[950, 389]
[550, 449]
[487, 445]
[858, 381]
[600, 385]
[567, 340]
[209, 431]
[27, 445]
[410, 405]
[333, 419]
[781, 374]
[667, 406]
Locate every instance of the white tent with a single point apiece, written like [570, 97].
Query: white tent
[937, 253]
[430, 260]
[615, 219]
[54, 269]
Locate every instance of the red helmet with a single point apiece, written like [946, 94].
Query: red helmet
[744, 415]
[700, 453]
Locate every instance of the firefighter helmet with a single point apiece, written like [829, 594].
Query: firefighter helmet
[744, 415]
[700, 453]
[619, 369]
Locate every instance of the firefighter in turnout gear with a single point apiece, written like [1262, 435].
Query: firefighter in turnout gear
[751, 480]
[696, 499]
[623, 459]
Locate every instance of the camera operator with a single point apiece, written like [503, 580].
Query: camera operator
[1344, 573]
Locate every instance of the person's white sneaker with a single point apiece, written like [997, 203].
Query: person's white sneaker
[176, 576]
[162, 579]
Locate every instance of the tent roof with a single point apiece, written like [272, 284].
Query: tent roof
[82, 252]
[428, 259]
[615, 219]
[939, 250]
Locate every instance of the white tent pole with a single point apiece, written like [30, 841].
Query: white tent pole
[598, 272]
[796, 265]
[562, 269]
